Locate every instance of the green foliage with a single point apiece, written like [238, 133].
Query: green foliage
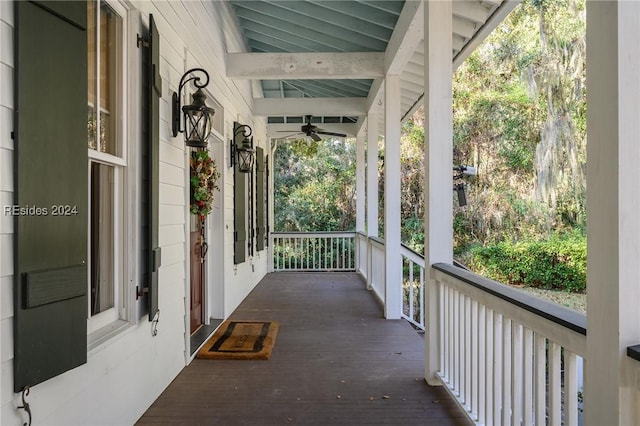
[558, 262]
[520, 118]
[314, 186]
[412, 182]
[204, 177]
[314, 254]
[412, 233]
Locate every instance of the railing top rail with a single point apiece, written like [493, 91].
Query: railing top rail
[404, 246]
[377, 240]
[306, 233]
[411, 255]
[634, 352]
[553, 312]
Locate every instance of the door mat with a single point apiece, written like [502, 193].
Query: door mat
[241, 340]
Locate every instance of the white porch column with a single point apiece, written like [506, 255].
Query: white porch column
[360, 182]
[438, 150]
[372, 174]
[612, 379]
[372, 188]
[273, 146]
[393, 259]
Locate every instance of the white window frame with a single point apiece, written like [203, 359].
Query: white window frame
[105, 323]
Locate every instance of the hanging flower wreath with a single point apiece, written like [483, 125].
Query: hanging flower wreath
[204, 178]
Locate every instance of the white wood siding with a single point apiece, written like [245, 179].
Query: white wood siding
[127, 372]
[6, 198]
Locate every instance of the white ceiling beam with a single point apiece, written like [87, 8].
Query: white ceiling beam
[496, 18]
[307, 66]
[458, 42]
[406, 37]
[416, 79]
[374, 100]
[310, 106]
[470, 10]
[291, 129]
[463, 27]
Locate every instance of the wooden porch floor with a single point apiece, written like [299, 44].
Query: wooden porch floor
[336, 361]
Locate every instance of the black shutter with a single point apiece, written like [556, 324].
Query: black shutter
[260, 200]
[239, 214]
[50, 166]
[266, 200]
[155, 92]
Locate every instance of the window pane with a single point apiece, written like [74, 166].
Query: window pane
[102, 235]
[105, 77]
[110, 53]
[91, 66]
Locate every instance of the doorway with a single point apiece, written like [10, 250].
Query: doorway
[197, 256]
[205, 301]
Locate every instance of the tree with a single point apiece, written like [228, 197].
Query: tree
[519, 114]
[315, 185]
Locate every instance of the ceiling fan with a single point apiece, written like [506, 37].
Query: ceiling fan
[313, 131]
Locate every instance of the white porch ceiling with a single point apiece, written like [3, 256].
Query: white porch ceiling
[328, 58]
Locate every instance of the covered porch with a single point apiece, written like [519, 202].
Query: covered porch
[336, 361]
[345, 352]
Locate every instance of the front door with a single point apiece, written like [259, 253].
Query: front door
[198, 251]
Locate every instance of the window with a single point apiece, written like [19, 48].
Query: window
[107, 162]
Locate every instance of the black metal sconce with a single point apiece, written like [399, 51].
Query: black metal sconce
[197, 116]
[241, 147]
[461, 172]
[462, 197]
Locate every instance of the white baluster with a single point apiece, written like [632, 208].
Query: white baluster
[478, 362]
[506, 371]
[570, 389]
[467, 353]
[540, 362]
[421, 302]
[555, 385]
[490, 378]
[527, 417]
[517, 370]
[497, 369]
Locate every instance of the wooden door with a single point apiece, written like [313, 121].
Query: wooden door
[198, 251]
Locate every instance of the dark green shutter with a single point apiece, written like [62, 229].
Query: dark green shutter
[51, 169]
[155, 92]
[266, 200]
[260, 200]
[239, 214]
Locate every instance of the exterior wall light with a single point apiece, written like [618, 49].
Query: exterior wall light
[197, 116]
[241, 147]
[460, 173]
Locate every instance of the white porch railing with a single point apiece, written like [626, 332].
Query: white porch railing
[371, 260]
[412, 287]
[377, 278]
[507, 357]
[313, 251]
[362, 254]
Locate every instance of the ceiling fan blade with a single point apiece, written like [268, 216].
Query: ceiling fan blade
[321, 132]
[289, 135]
[315, 137]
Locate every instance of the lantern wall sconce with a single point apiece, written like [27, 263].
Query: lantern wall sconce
[197, 116]
[241, 148]
[460, 173]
